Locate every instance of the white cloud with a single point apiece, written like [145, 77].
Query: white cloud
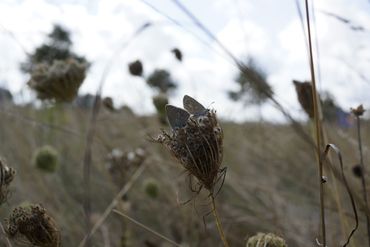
[266, 29]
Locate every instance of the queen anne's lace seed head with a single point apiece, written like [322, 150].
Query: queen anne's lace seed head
[196, 144]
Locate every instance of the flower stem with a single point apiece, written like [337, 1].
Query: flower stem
[218, 222]
[363, 181]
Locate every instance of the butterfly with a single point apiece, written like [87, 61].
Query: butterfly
[176, 116]
[193, 106]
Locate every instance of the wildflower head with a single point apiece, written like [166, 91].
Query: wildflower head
[195, 141]
[32, 223]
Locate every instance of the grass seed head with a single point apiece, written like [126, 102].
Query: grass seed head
[32, 223]
[197, 145]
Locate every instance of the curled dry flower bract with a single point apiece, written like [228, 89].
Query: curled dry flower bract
[197, 146]
[7, 175]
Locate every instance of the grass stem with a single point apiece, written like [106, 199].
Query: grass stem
[318, 129]
[218, 222]
[363, 181]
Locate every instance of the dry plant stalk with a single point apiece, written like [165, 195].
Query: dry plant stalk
[196, 142]
[318, 128]
[358, 112]
[7, 175]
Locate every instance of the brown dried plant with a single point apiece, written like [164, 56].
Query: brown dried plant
[32, 224]
[196, 142]
[59, 81]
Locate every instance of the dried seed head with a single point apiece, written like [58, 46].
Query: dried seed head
[177, 53]
[357, 171]
[136, 68]
[59, 81]
[266, 239]
[359, 111]
[120, 165]
[196, 142]
[108, 103]
[304, 93]
[7, 175]
[32, 223]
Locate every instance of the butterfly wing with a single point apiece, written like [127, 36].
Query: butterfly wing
[177, 117]
[193, 106]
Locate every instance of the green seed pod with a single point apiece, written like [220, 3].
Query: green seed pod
[151, 188]
[46, 159]
[266, 240]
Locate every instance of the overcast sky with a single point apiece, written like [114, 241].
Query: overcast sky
[268, 30]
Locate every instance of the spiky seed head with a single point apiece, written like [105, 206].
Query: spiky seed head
[358, 111]
[136, 68]
[59, 81]
[46, 159]
[196, 144]
[31, 222]
[266, 240]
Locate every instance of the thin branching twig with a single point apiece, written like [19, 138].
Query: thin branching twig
[92, 127]
[114, 202]
[146, 227]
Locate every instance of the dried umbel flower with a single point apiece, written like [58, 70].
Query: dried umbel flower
[359, 111]
[136, 68]
[7, 175]
[120, 165]
[46, 159]
[59, 81]
[266, 240]
[195, 141]
[32, 223]
[305, 98]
